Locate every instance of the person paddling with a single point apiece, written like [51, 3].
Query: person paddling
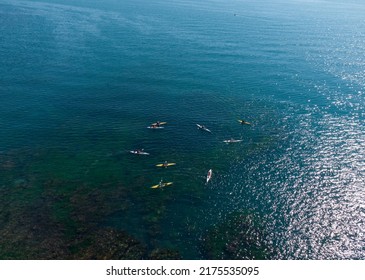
[243, 122]
[160, 184]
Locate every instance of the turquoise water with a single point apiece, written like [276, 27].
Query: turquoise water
[80, 82]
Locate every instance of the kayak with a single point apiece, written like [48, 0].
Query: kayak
[232, 141]
[158, 186]
[209, 175]
[243, 122]
[161, 123]
[155, 127]
[163, 165]
[203, 128]
[139, 153]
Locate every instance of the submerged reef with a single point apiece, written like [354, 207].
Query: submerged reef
[64, 219]
[109, 244]
[51, 210]
[164, 254]
[239, 237]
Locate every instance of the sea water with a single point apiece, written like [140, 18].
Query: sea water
[81, 81]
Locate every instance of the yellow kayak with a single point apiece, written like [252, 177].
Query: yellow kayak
[243, 122]
[165, 165]
[162, 185]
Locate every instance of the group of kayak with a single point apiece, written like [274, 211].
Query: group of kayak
[232, 140]
[158, 125]
[161, 184]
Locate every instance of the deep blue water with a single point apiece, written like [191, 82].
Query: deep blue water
[81, 81]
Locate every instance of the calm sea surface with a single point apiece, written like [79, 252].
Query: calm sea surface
[81, 80]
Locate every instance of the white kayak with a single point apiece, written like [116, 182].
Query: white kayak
[232, 141]
[155, 127]
[139, 153]
[203, 128]
[209, 175]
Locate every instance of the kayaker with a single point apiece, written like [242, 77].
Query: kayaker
[244, 122]
[160, 184]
